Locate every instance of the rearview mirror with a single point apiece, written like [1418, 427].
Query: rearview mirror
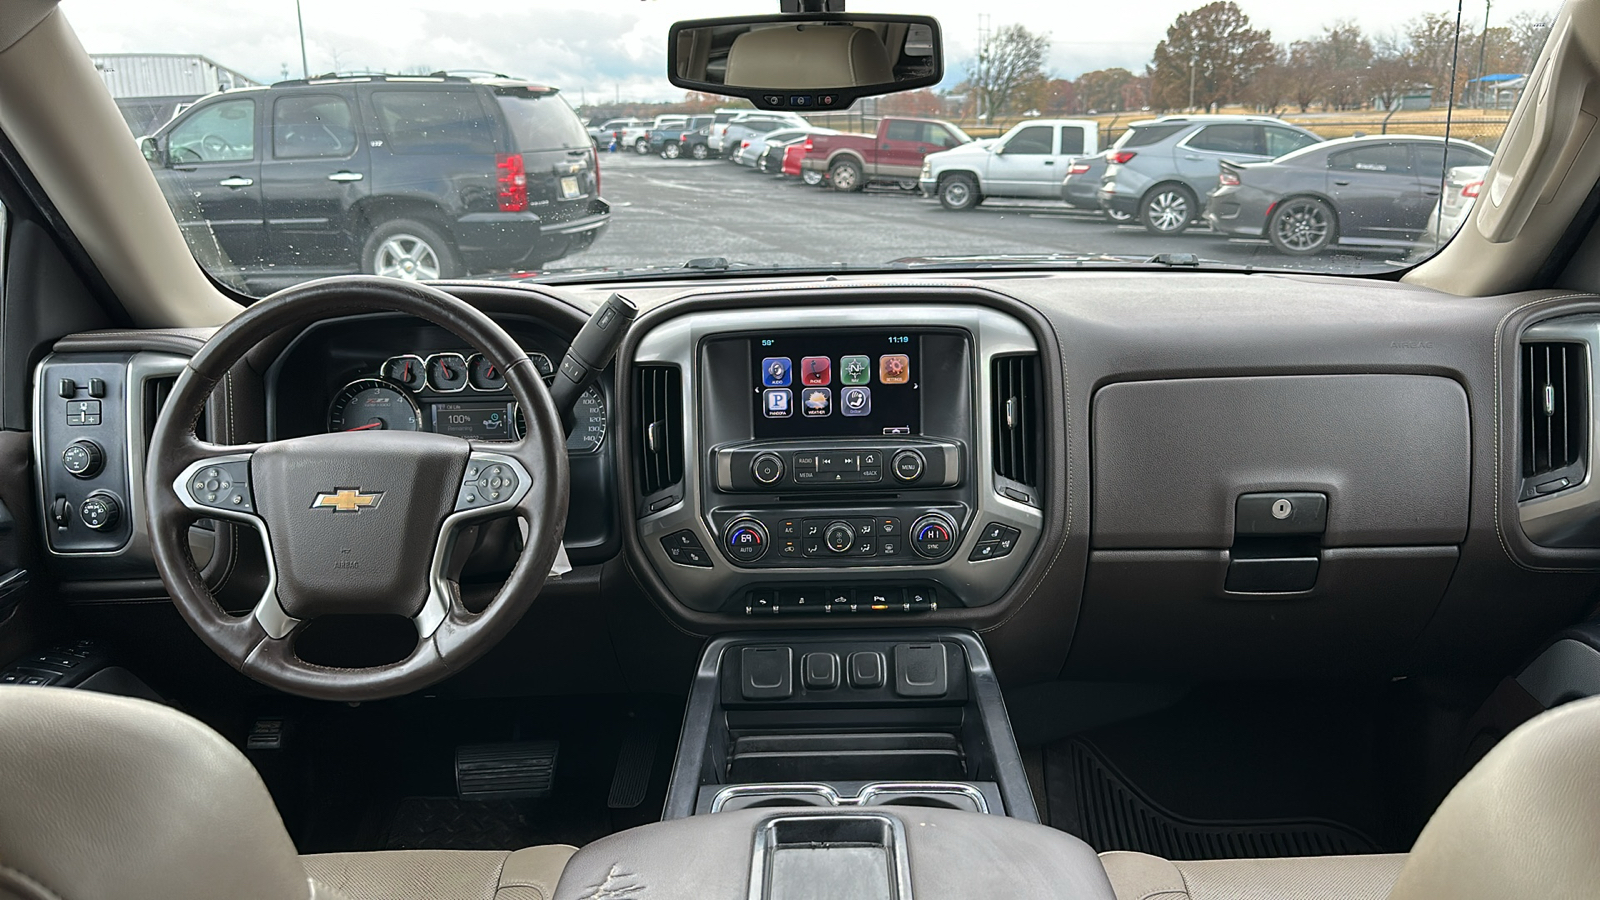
[152, 151]
[805, 61]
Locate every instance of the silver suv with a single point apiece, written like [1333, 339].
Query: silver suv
[1160, 170]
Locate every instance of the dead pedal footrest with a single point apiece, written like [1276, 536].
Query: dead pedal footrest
[513, 771]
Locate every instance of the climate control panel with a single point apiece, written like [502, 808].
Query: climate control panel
[874, 536]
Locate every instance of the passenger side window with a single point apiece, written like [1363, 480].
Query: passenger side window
[1432, 160]
[1071, 140]
[1230, 139]
[1283, 140]
[416, 122]
[317, 126]
[222, 132]
[1031, 141]
[940, 137]
[1391, 159]
[904, 131]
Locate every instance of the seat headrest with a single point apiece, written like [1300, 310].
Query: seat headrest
[1525, 822]
[110, 798]
[807, 57]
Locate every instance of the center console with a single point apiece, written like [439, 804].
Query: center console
[838, 461]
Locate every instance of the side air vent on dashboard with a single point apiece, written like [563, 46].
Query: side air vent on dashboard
[658, 419]
[156, 392]
[1555, 414]
[1017, 419]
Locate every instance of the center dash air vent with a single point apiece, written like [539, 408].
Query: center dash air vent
[1016, 422]
[1555, 414]
[658, 424]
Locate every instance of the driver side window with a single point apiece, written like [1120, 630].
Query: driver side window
[221, 132]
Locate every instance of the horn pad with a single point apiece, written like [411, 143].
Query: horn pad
[353, 518]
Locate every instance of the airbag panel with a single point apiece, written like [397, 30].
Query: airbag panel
[1171, 458]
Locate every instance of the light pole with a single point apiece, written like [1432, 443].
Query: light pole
[1194, 60]
[305, 67]
[1483, 45]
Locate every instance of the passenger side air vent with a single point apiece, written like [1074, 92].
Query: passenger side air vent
[658, 422]
[1555, 415]
[1017, 418]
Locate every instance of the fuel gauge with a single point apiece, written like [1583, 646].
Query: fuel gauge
[408, 371]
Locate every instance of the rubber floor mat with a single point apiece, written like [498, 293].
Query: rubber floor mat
[445, 823]
[1091, 799]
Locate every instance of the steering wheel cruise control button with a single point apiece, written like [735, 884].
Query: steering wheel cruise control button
[222, 485]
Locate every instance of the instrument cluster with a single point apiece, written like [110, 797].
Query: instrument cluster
[461, 394]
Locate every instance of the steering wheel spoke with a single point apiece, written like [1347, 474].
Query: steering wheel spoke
[494, 484]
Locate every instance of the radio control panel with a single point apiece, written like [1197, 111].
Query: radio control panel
[829, 465]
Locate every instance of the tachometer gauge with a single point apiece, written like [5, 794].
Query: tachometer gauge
[408, 371]
[484, 375]
[374, 404]
[589, 422]
[447, 372]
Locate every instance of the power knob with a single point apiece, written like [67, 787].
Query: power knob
[839, 537]
[83, 459]
[933, 536]
[766, 468]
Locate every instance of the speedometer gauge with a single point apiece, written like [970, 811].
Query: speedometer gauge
[589, 422]
[373, 404]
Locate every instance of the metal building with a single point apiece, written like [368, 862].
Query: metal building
[151, 87]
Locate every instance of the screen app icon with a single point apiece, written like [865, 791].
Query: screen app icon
[816, 370]
[775, 371]
[894, 368]
[816, 402]
[855, 401]
[777, 403]
[855, 370]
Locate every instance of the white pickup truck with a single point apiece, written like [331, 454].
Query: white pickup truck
[1028, 161]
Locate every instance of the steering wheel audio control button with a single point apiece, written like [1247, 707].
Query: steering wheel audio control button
[222, 485]
[746, 539]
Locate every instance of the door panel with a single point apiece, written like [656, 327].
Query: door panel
[1375, 192]
[1024, 163]
[1199, 156]
[901, 149]
[316, 169]
[213, 182]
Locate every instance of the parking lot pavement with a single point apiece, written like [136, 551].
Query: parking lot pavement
[666, 212]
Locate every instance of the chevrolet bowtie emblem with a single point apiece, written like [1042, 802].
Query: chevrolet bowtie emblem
[346, 500]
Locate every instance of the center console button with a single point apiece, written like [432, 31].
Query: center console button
[767, 468]
[746, 539]
[839, 536]
[908, 466]
[866, 670]
[766, 673]
[821, 671]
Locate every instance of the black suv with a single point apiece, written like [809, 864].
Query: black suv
[416, 177]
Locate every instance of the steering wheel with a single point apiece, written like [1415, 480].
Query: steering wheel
[216, 144]
[355, 522]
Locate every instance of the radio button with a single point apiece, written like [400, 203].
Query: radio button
[767, 468]
[804, 462]
[908, 466]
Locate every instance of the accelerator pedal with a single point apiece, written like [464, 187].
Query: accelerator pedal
[631, 781]
[515, 771]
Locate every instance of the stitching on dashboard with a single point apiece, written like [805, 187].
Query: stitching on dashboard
[1499, 466]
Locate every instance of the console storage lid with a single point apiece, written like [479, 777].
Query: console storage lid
[950, 855]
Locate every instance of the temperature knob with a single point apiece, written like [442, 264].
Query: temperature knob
[933, 536]
[746, 540]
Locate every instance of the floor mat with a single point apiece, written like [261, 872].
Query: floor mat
[445, 823]
[1108, 813]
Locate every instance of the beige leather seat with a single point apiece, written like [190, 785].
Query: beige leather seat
[109, 798]
[808, 57]
[1524, 823]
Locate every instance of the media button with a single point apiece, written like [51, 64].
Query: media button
[775, 371]
[777, 403]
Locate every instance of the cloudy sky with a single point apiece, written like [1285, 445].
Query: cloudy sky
[597, 49]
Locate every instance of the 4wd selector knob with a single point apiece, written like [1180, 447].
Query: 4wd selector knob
[933, 535]
[839, 537]
[83, 459]
[766, 468]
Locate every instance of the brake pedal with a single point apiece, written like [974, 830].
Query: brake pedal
[514, 771]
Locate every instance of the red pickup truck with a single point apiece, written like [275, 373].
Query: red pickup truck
[894, 154]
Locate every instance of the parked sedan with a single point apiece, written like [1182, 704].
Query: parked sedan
[765, 151]
[1080, 189]
[792, 155]
[1461, 187]
[1374, 191]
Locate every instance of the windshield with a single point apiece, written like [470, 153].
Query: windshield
[543, 142]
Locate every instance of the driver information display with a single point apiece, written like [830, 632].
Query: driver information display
[836, 383]
[473, 421]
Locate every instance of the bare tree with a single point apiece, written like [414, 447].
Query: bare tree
[1011, 58]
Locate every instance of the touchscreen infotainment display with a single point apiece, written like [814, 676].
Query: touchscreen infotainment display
[836, 383]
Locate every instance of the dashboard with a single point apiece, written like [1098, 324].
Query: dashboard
[1084, 467]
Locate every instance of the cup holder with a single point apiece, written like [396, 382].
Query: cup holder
[939, 795]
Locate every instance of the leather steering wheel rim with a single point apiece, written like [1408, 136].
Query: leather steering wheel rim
[260, 645]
